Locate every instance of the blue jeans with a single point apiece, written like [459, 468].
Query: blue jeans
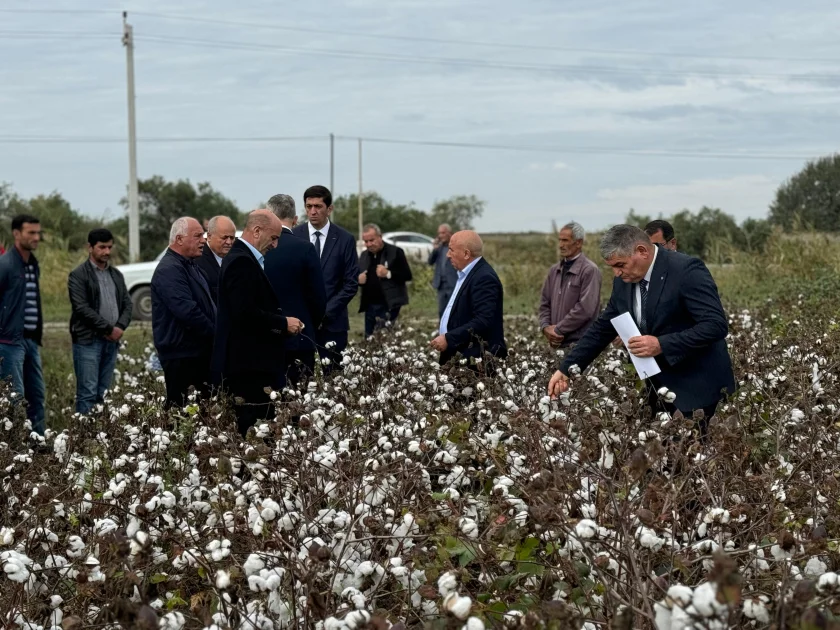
[377, 316]
[21, 364]
[94, 366]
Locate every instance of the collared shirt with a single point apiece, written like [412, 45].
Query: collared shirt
[108, 307]
[324, 231]
[637, 294]
[462, 275]
[260, 258]
[217, 257]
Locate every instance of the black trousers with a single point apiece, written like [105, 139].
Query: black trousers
[251, 403]
[299, 367]
[323, 337]
[179, 374]
[377, 316]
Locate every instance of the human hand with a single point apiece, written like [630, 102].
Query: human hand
[293, 325]
[382, 271]
[558, 384]
[116, 334]
[554, 338]
[363, 277]
[644, 346]
[439, 343]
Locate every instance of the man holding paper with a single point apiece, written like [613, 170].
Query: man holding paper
[672, 300]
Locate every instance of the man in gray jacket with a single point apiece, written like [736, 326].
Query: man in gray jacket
[445, 277]
[571, 294]
[101, 313]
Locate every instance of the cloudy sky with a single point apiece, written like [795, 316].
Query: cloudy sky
[593, 107]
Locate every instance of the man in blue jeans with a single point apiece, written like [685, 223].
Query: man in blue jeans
[21, 321]
[101, 313]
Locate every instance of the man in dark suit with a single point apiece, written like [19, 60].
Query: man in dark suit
[676, 306]
[445, 276]
[662, 233]
[295, 274]
[385, 272]
[250, 326]
[472, 321]
[336, 248]
[220, 235]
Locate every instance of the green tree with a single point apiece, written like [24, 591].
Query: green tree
[811, 198]
[709, 234]
[639, 220]
[161, 202]
[376, 209]
[459, 212]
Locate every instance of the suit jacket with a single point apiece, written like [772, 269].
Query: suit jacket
[295, 274]
[249, 324]
[445, 276]
[394, 289]
[340, 268]
[684, 312]
[211, 269]
[475, 322]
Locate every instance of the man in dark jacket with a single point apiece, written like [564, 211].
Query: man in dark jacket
[472, 321]
[221, 232]
[295, 274]
[183, 313]
[336, 248]
[385, 272]
[675, 304]
[445, 277]
[21, 320]
[101, 312]
[248, 351]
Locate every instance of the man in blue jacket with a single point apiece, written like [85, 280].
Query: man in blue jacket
[675, 304]
[21, 320]
[336, 248]
[295, 274]
[183, 313]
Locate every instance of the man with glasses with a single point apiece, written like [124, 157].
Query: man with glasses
[221, 233]
[662, 233]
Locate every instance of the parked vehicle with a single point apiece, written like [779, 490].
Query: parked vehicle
[415, 245]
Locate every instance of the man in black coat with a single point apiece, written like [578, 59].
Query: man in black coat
[248, 349]
[385, 272]
[221, 232]
[472, 322]
[101, 313]
[183, 313]
[676, 306]
[336, 248]
[295, 274]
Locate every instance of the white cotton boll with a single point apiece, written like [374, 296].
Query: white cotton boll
[172, 621]
[447, 583]
[7, 536]
[755, 608]
[815, 567]
[586, 528]
[457, 605]
[662, 617]
[662, 391]
[468, 527]
[474, 623]
[705, 601]
[827, 582]
[253, 564]
[222, 579]
[670, 397]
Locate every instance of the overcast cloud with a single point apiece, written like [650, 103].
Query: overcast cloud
[744, 81]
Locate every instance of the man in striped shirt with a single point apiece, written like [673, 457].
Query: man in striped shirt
[21, 321]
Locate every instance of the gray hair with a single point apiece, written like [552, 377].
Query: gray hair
[180, 227]
[283, 207]
[446, 226]
[621, 240]
[578, 233]
[372, 226]
[213, 224]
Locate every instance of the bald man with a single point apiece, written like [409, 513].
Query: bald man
[472, 320]
[250, 326]
[221, 233]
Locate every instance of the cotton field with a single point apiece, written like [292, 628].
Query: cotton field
[402, 494]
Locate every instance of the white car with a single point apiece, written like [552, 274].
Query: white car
[138, 280]
[415, 245]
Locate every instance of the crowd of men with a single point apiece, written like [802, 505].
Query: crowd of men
[247, 315]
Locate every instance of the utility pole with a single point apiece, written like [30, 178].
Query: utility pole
[133, 195]
[332, 164]
[360, 189]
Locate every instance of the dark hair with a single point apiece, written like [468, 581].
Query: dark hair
[318, 192]
[19, 220]
[660, 224]
[99, 235]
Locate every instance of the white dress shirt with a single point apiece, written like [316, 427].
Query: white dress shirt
[462, 275]
[324, 231]
[260, 258]
[216, 256]
[637, 293]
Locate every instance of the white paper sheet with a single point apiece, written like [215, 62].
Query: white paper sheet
[626, 328]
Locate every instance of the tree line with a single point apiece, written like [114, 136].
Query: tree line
[809, 200]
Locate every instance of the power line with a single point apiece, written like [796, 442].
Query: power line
[20, 139]
[568, 68]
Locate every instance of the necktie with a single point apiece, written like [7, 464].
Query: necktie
[643, 287]
[318, 242]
